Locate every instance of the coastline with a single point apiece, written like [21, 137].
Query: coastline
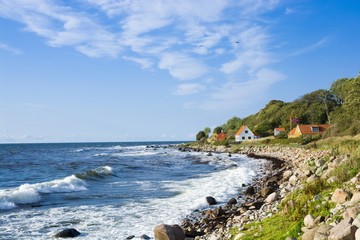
[290, 170]
[214, 222]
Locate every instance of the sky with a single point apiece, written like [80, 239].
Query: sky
[161, 70]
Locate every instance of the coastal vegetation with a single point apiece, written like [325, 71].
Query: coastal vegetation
[339, 105]
[313, 193]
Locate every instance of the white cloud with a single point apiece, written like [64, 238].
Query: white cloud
[182, 66]
[62, 26]
[189, 39]
[144, 62]
[9, 49]
[238, 94]
[186, 89]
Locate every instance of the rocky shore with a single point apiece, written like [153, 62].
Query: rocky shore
[289, 169]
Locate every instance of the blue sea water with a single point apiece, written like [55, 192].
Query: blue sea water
[110, 190]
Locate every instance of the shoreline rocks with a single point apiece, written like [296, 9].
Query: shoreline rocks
[289, 169]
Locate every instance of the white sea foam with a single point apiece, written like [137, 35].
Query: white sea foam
[30, 193]
[135, 218]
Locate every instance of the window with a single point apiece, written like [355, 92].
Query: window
[249, 137]
[315, 129]
[243, 138]
[246, 131]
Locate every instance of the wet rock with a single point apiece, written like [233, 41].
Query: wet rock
[211, 201]
[67, 233]
[266, 191]
[250, 191]
[130, 237]
[168, 232]
[232, 201]
[144, 236]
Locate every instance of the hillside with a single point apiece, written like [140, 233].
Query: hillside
[339, 105]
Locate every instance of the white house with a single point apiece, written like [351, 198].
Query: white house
[278, 131]
[244, 134]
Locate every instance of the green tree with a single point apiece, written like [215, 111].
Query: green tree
[207, 130]
[218, 130]
[200, 136]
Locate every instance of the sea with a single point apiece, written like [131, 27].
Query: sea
[111, 190]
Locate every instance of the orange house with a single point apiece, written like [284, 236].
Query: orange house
[308, 130]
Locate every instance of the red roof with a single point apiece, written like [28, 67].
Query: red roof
[292, 132]
[221, 136]
[240, 130]
[280, 129]
[309, 129]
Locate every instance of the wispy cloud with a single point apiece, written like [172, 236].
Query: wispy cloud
[9, 49]
[191, 40]
[238, 94]
[322, 42]
[182, 66]
[145, 63]
[62, 26]
[190, 88]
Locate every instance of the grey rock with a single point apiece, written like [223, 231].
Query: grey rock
[67, 233]
[322, 232]
[309, 221]
[211, 200]
[343, 231]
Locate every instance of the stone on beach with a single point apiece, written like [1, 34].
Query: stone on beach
[168, 232]
[67, 233]
[211, 201]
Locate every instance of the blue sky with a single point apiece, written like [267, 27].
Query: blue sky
[120, 70]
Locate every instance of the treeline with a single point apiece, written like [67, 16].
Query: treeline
[339, 105]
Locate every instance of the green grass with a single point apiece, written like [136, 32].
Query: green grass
[277, 227]
[289, 220]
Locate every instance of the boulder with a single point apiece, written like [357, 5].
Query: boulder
[271, 198]
[343, 231]
[340, 196]
[293, 180]
[144, 236]
[309, 235]
[211, 200]
[309, 221]
[130, 237]
[67, 233]
[287, 174]
[322, 232]
[250, 190]
[355, 198]
[168, 232]
[266, 191]
[351, 212]
[357, 234]
[232, 201]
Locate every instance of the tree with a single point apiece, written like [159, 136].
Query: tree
[207, 130]
[218, 130]
[201, 135]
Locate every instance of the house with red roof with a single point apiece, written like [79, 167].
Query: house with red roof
[221, 136]
[278, 131]
[308, 130]
[244, 134]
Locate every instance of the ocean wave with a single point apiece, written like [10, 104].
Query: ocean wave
[97, 173]
[31, 193]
